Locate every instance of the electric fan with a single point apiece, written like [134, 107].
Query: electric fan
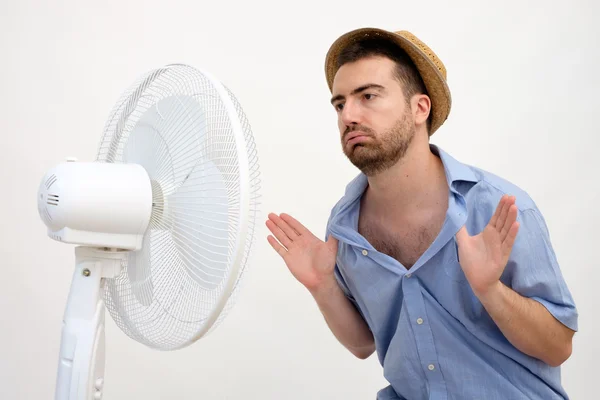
[163, 221]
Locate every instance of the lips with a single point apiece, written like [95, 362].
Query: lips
[355, 136]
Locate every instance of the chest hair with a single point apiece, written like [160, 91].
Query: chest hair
[403, 242]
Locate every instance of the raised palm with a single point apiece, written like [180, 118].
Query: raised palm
[484, 256]
[309, 259]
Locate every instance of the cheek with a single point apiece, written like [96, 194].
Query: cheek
[341, 125]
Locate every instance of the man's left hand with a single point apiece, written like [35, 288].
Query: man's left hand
[483, 257]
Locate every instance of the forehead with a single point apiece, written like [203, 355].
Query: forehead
[374, 69]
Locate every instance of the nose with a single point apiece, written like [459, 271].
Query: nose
[350, 114]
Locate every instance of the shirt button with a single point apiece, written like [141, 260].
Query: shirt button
[431, 367]
[364, 252]
[408, 275]
[419, 321]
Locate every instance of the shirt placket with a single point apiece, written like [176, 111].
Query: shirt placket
[415, 305]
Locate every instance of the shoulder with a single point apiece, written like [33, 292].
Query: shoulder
[483, 195]
[481, 189]
[491, 187]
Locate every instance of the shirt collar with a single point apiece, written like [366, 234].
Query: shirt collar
[454, 169]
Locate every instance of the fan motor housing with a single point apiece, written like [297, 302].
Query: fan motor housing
[96, 204]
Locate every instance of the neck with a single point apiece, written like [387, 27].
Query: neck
[417, 181]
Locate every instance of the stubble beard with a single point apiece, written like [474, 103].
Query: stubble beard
[382, 151]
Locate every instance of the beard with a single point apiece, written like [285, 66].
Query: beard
[382, 151]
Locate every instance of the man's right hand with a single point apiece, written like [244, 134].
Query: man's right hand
[312, 262]
[309, 259]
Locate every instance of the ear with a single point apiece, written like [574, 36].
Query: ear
[421, 106]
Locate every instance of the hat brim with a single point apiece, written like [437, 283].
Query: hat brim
[435, 82]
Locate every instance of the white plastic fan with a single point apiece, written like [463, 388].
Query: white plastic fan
[163, 221]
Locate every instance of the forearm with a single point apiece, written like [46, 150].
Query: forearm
[528, 325]
[344, 321]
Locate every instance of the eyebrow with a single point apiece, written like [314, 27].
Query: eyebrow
[358, 90]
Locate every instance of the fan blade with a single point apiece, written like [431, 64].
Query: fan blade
[200, 213]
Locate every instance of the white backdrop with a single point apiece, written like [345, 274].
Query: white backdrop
[525, 88]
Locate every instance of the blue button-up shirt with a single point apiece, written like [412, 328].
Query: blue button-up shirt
[434, 338]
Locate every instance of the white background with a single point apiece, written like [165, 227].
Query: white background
[525, 92]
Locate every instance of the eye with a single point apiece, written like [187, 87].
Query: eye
[339, 106]
[369, 96]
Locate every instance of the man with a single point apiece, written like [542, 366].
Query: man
[447, 271]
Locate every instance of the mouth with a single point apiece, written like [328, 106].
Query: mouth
[356, 137]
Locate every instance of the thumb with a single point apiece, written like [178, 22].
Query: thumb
[462, 235]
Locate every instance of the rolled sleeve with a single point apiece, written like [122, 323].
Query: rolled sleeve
[535, 272]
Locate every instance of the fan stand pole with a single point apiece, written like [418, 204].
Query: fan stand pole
[81, 361]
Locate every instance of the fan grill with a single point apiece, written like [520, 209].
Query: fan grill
[175, 124]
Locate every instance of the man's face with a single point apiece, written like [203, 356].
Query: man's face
[375, 121]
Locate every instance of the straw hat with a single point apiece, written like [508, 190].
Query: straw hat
[431, 68]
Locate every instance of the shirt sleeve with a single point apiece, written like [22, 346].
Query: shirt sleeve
[342, 283]
[534, 271]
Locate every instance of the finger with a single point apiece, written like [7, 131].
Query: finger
[281, 236]
[510, 220]
[510, 237]
[283, 226]
[503, 220]
[494, 219]
[297, 226]
[278, 248]
[503, 213]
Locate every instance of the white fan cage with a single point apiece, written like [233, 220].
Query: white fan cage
[175, 122]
